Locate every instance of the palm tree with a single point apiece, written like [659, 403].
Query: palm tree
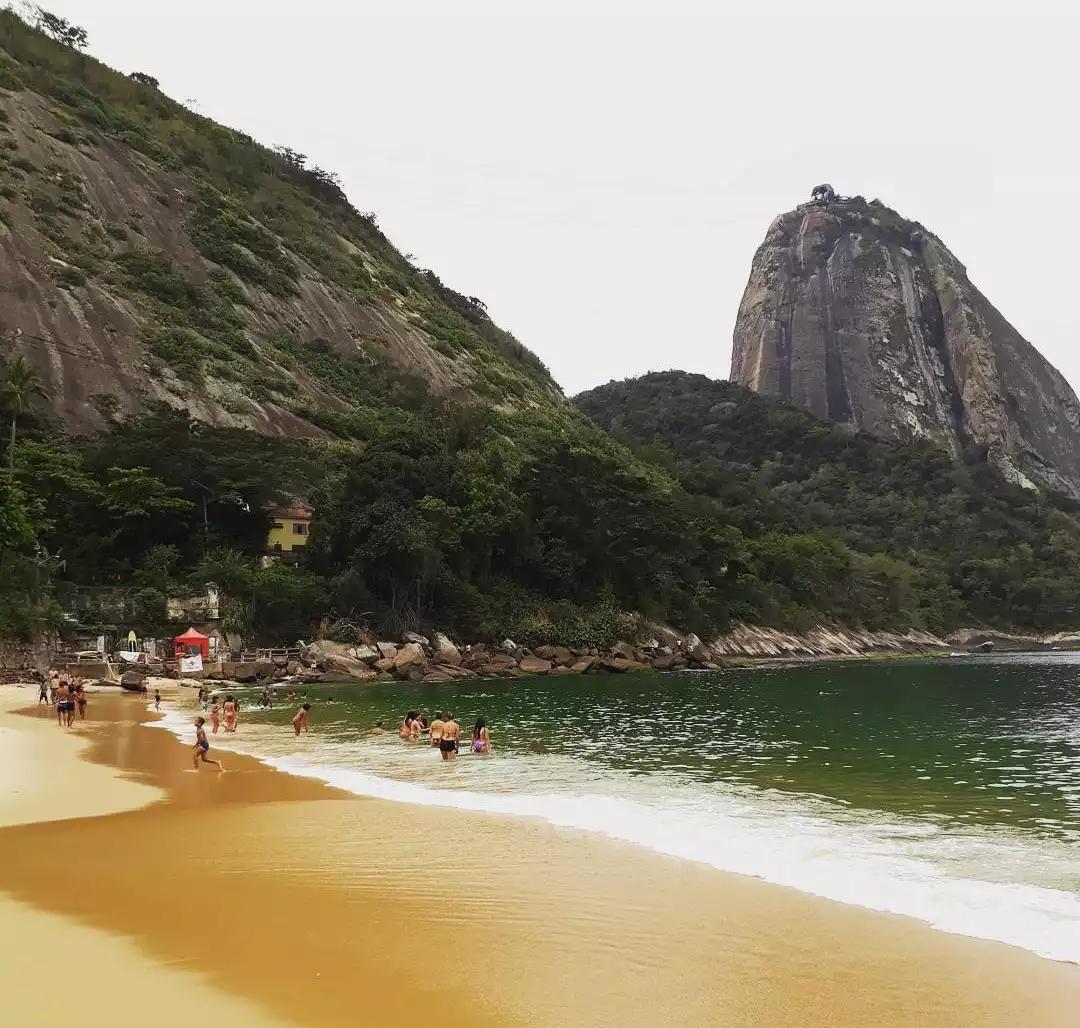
[20, 385]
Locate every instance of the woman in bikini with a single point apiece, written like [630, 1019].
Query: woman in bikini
[229, 710]
[406, 731]
[80, 700]
[481, 741]
[215, 717]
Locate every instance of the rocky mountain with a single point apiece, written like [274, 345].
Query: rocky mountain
[147, 253]
[857, 314]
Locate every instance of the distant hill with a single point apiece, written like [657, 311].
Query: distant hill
[858, 314]
[955, 541]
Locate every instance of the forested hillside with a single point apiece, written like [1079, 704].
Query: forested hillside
[851, 525]
[196, 327]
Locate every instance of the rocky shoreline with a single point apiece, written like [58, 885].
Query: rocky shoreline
[420, 658]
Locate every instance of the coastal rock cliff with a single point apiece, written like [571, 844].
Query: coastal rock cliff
[147, 253]
[856, 314]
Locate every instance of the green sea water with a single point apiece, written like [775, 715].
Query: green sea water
[947, 789]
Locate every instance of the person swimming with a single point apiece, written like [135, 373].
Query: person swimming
[481, 740]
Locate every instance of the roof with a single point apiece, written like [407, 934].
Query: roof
[191, 636]
[299, 512]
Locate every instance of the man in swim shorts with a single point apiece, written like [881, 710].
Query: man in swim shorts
[202, 747]
[451, 736]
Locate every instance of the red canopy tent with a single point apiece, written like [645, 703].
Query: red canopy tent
[192, 642]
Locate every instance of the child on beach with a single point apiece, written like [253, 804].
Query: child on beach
[157, 699]
[215, 717]
[202, 747]
[300, 718]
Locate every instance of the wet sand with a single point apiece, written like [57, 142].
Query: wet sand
[302, 905]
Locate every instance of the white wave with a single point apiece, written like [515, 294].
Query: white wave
[815, 846]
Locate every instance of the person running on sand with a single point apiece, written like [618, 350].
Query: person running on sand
[228, 708]
[202, 747]
[299, 719]
[437, 726]
[481, 740]
[215, 717]
[157, 699]
[451, 737]
[80, 700]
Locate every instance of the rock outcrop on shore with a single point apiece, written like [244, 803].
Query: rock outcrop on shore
[418, 658]
[857, 314]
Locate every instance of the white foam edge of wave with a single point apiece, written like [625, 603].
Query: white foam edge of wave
[819, 858]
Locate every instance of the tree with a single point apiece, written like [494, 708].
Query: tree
[20, 385]
[143, 79]
[60, 29]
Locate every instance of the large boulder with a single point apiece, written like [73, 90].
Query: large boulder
[438, 675]
[264, 669]
[534, 666]
[584, 665]
[620, 665]
[350, 667]
[387, 650]
[445, 651]
[695, 648]
[560, 669]
[561, 655]
[410, 655]
[416, 637]
[623, 650]
[544, 652]
[368, 654]
[244, 672]
[384, 664]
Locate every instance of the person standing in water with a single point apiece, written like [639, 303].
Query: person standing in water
[481, 740]
[228, 708]
[215, 717]
[300, 718]
[406, 731]
[202, 747]
[451, 738]
[437, 727]
[157, 699]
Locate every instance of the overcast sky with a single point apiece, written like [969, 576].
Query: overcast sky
[600, 173]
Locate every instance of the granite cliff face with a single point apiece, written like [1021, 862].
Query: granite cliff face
[147, 253]
[861, 316]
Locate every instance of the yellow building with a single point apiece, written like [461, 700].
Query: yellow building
[289, 528]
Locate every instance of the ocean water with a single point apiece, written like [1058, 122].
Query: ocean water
[943, 789]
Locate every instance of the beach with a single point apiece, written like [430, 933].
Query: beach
[260, 898]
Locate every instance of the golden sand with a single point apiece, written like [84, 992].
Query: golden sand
[303, 905]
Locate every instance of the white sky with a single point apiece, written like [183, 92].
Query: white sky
[600, 173]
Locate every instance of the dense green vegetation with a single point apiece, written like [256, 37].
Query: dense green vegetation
[488, 509]
[848, 525]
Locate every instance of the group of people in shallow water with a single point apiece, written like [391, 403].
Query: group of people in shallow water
[444, 732]
[66, 694]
